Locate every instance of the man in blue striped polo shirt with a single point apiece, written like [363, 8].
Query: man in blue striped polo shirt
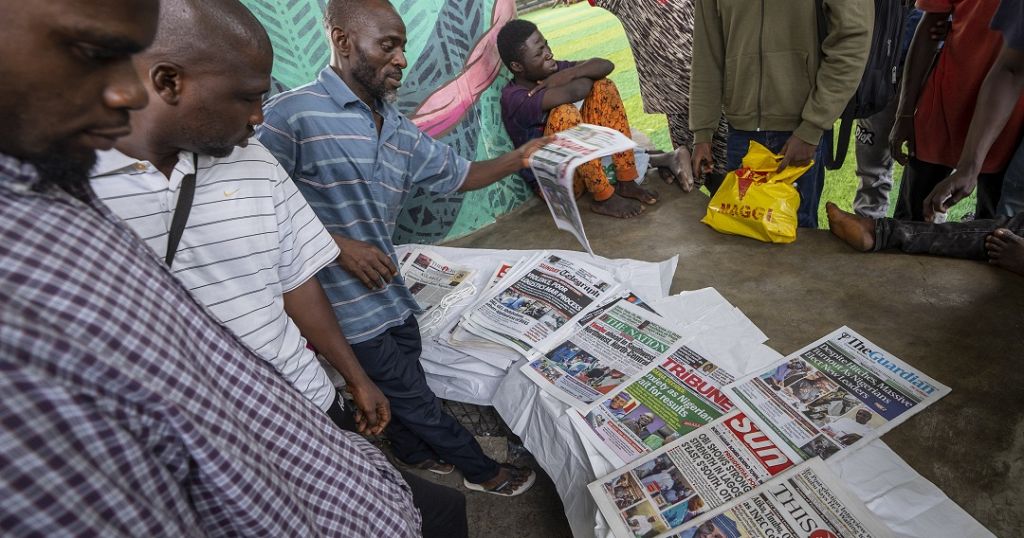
[355, 157]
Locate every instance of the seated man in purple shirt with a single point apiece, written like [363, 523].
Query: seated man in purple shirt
[538, 101]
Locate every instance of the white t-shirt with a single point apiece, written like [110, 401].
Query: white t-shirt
[250, 238]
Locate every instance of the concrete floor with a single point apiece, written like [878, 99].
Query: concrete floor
[961, 322]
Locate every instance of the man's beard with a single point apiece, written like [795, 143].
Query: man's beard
[64, 168]
[376, 84]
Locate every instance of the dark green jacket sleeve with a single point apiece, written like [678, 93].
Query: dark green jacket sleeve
[707, 77]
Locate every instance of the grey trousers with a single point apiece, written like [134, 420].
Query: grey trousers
[950, 239]
[874, 163]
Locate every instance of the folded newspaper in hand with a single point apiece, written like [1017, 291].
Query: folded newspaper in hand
[554, 164]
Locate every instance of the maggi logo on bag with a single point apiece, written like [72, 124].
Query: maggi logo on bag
[756, 201]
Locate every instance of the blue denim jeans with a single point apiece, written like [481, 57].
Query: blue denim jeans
[809, 185]
[1011, 200]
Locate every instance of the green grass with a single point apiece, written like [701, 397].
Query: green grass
[580, 32]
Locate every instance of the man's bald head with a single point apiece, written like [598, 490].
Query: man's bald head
[207, 73]
[349, 14]
[207, 34]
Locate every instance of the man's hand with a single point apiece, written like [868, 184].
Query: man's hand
[373, 412]
[902, 133]
[796, 152]
[948, 192]
[559, 78]
[527, 149]
[703, 161]
[365, 262]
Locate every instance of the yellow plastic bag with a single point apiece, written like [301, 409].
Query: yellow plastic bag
[757, 202]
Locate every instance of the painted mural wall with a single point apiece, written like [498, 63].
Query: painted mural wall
[451, 90]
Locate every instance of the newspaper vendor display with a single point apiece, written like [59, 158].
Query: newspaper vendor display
[808, 501]
[531, 309]
[703, 470]
[436, 284]
[555, 163]
[682, 394]
[838, 392]
[599, 357]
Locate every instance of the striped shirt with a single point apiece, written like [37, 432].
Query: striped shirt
[250, 238]
[128, 411]
[356, 182]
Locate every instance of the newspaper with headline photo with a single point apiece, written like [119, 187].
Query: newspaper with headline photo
[808, 501]
[540, 301]
[555, 163]
[838, 392]
[703, 470]
[683, 393]
[436, 284]
[617, 346]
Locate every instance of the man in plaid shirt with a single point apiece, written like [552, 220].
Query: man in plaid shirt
[127, 410]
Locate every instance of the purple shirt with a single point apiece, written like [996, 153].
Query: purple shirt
[128, 411]
[524, 115]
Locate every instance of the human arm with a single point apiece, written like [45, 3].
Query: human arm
[484, 173]
[706, 83]
[582, 73]
[309, 309]
[917, 67]
[997, 98]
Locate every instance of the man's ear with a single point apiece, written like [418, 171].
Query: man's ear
[516, 68]
[167, 81]
[341, 42]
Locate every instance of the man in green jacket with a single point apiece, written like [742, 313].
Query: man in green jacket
[779, 84]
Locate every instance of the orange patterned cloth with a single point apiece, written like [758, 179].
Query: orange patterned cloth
[602, 107]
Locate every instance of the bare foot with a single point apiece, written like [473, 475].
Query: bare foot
[629, 189]
[854, 230]
[682, 169]
[618, 207]
[1006, 249]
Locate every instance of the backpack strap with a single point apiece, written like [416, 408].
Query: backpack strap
[181, 211]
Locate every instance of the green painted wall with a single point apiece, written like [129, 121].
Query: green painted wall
[443, 36]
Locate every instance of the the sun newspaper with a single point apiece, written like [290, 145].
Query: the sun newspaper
[808, 501]
[838, 392]
[683, 393]
[554, 164]
[705, 469]
[538, 303]
[597, 358]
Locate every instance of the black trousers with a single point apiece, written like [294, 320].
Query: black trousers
[419, 428]
[443, 509]
[950, 239]
[919, 178]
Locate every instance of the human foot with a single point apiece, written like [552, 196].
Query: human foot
[511, 481]
[854, 230]
[681, 168]
[1006, 249]
[629, 189]
[618, 207]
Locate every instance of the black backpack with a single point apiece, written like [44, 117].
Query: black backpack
[880, 83]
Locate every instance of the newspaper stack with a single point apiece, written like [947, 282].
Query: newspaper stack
[836, 394]
[436, 284]
[537, 301]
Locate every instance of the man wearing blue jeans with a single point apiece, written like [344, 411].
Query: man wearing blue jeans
[778, 83]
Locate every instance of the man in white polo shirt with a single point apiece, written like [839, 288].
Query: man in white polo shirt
[251, 245]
